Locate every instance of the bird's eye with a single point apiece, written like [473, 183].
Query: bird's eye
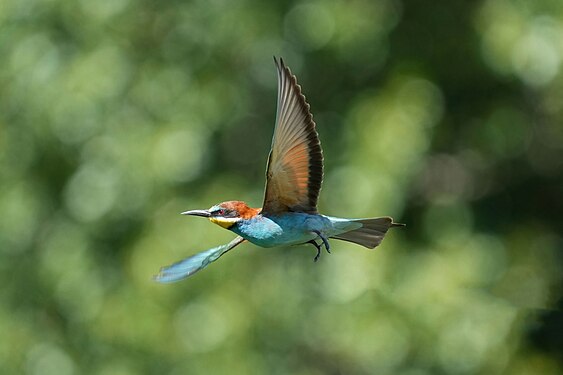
[221, 212]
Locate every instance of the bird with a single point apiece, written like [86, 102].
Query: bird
[289, 215]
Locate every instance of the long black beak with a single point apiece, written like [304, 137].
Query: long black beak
[202, 213]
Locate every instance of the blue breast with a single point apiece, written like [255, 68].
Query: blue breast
[286, 229]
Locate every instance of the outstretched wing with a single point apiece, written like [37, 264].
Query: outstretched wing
[191, 265]
[295, 165]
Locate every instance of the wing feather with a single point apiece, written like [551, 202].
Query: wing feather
[187, 267]
[295, 166]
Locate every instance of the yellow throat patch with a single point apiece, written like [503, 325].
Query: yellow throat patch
[224, 222]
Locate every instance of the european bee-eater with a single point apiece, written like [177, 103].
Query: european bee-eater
[289, 215]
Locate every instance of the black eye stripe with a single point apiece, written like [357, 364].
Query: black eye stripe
[225, 213]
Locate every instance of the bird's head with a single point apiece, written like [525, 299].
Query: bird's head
[226, 214]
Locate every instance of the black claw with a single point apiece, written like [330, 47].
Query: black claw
[317, 256]
[327, 246]
[314, 243]
[325, 242]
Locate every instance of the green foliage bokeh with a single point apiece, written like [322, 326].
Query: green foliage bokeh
[116, 115]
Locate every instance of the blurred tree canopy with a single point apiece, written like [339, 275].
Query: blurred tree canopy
[116, 115]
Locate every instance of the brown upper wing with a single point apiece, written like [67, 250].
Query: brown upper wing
[295, 165]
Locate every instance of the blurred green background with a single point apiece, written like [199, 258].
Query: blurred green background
[116, 115]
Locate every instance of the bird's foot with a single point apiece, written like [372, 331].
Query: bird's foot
[325, 243]
[314, 243]
[324, 239]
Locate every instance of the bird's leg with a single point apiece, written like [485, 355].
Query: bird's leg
[314, 243]
[325, 242]
[324, 239]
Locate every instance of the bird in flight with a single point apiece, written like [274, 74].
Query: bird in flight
[289, 215]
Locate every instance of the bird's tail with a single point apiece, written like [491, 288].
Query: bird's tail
[371, 233]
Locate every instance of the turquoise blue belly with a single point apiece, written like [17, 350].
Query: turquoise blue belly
[286, 229]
